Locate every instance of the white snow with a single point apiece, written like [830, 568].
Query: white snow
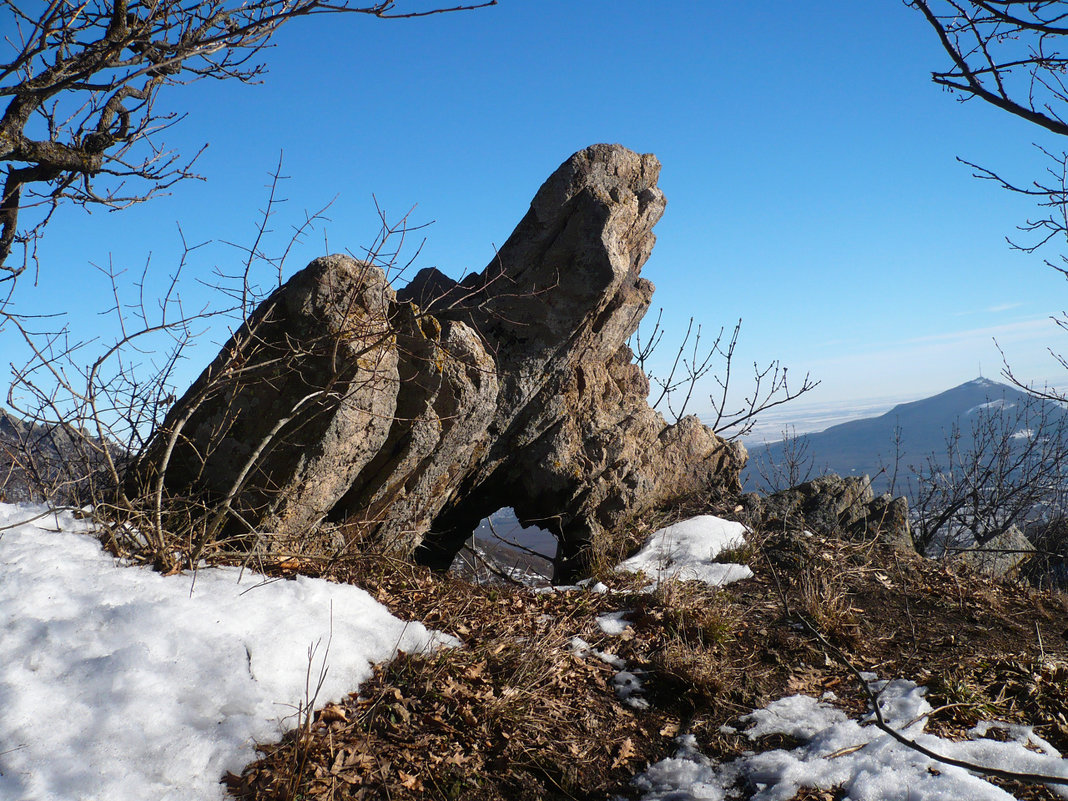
[853, 754]
[688, 549]
[119, 683]
[613, 623]
[798, 716]
[588, 585]
[629, 689]
[1000, 403]
[580, 648]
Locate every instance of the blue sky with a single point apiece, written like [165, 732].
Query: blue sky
[809, 165]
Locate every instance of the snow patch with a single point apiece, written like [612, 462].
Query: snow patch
[1000, 403]
[687, 550]
[119, 683]
[628, 689]
[864, 761]
[627, 684]
[613, 623]
[585, 584]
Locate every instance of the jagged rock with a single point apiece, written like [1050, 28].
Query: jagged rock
[448, 386]
[296, 404]
[889, 518]
[835, 505]
[436, 407]
[578, 451]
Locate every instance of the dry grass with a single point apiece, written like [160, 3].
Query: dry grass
[825, 602]
[1035, 693]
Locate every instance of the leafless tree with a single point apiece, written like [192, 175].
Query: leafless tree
[87, 409]
[1009, 466]
[692, 362]
[82, 81]
[1010, 54]
[792, 465]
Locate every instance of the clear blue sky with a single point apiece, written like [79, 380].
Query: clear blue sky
[808, 162]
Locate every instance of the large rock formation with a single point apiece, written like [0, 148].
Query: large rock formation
[406, 418]
[293, 408]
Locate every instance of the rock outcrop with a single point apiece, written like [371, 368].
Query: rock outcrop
[404, 419]
[294, 407]
[836, 505]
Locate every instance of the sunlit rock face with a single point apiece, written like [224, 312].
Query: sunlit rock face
[435, 406]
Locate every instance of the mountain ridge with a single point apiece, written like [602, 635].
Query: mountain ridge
[904, 436]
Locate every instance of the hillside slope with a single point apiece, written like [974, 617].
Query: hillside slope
[638, 686]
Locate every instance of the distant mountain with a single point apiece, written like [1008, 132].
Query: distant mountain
[868, 446]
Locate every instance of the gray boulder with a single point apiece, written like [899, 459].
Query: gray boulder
[445, 404]
[294, 407]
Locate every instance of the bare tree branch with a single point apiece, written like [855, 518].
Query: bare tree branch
[82, 80]
[692, 363]
[882, 725]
